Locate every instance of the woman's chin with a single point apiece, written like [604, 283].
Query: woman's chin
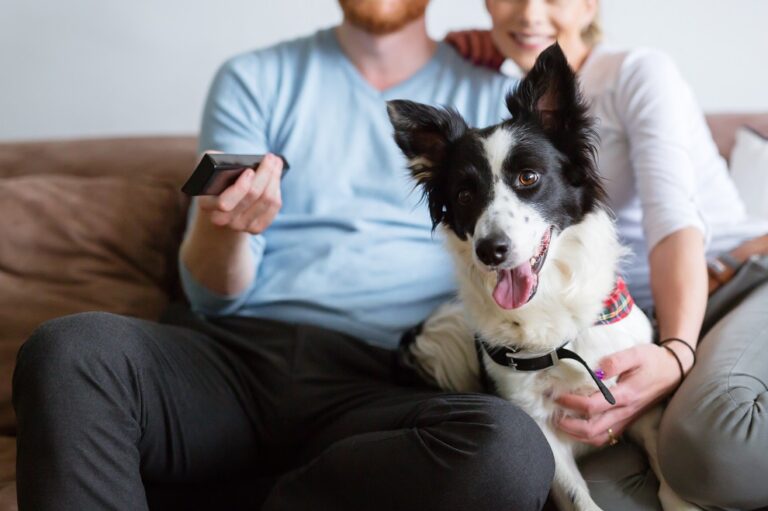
[524, 60]
[524, 57]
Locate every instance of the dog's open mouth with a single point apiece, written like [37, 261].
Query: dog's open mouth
[516, 286]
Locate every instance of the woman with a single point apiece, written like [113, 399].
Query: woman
[675, 205]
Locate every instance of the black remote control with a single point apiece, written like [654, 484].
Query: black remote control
[217, 171]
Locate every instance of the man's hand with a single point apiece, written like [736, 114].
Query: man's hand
[476, 46]
[251, 203]
[216, 248]
[646, 374]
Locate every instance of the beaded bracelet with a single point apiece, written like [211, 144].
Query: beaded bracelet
[673, 339]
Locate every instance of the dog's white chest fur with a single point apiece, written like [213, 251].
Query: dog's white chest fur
[536, 391]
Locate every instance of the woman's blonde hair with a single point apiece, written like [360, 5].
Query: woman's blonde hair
[593, 34]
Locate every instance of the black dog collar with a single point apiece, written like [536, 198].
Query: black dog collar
[506, 357]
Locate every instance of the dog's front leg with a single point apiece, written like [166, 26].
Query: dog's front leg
[569, 488]
[445, 350]
[645, 431]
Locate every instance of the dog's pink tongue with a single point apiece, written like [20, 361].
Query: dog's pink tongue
[515, 286]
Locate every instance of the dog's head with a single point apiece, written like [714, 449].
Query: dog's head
[507, 189]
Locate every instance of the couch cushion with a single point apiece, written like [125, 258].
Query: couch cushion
[749, 168]
[87, 226]
[164, 159]
[723, 127]
[7, 474]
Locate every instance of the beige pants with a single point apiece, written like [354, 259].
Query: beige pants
[714, 434]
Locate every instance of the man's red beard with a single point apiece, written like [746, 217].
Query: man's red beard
[382, 17]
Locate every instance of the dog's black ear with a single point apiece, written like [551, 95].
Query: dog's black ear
[549, 92]
[550, 95]
[425, 134]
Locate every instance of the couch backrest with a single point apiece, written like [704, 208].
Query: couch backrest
[724, 125]
[87, 225]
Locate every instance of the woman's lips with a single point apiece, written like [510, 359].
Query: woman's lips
[532, 41]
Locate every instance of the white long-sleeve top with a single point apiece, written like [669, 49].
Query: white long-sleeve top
[661, 168]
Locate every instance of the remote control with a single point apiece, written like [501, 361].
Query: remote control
[217, 171]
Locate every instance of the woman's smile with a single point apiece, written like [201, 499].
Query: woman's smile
[532, 41]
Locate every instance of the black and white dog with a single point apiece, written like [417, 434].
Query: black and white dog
[536, 251]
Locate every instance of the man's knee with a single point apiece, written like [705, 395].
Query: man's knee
[712, 449]
[508, 458]
[520, 447]
[63, 350]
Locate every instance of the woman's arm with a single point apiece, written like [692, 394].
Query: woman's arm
[679, 287]
[657, 111]
[477, 46]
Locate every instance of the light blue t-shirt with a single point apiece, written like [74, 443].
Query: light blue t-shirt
[352, 248]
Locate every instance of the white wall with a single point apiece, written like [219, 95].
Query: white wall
[108, 67]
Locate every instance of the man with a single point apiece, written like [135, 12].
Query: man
[307, 284]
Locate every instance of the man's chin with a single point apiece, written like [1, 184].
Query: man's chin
[381, 17]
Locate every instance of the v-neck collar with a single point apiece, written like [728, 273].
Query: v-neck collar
[394, 91]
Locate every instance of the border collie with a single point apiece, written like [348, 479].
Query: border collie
[523, 212]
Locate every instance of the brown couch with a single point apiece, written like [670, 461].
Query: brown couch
[96, 225]
[86, 225]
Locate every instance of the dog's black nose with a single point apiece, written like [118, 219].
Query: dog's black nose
[493, 250]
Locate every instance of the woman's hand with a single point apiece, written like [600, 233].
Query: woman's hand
[476, 46]
[646, 374]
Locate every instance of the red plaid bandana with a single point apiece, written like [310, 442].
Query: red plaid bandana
[617, 306]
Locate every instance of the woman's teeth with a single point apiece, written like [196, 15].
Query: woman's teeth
[532, 40]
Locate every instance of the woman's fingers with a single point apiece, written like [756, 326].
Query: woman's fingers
[476, 46]
[585, 406]
[460, 41]
[595, 403]
[621, 362]
[489, 49]
[595, 431]
[637, 370]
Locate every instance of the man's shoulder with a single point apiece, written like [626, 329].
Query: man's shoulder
[476, 92]
[281, 53]
[463, 69]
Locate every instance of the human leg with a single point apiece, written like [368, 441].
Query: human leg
[619, 477]
[105, 403]
[367, 443]
[714, 434]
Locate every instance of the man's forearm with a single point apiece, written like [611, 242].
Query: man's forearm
[679, 286]
[218, 257]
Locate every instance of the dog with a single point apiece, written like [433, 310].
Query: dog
[536, 251]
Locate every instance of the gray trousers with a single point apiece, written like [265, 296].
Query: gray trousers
[714, 435]
[117, 413]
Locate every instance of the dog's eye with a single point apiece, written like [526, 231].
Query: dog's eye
[527, 178]
[464, 197]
